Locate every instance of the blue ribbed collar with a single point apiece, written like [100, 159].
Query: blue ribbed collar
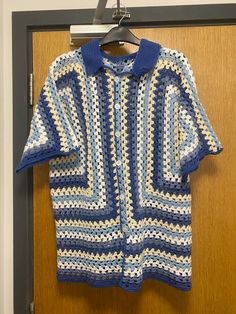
[145, 57]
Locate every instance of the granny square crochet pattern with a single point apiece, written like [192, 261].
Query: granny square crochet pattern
[122, 135]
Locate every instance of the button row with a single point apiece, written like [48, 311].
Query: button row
[118, 162]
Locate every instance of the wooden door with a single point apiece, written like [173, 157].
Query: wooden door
[211, 52]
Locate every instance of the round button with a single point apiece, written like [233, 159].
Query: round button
[117, 133]
[124, 228]
[118, 162]
[122, 197]
[116, 79]
[117, 106]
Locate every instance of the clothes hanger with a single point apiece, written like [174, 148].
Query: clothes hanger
[119, 33]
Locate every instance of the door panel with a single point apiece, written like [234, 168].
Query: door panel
[211, 52]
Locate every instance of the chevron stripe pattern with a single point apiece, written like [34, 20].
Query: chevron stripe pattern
[121, 135]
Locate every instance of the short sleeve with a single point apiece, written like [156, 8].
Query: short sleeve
[51, 131]
[196, 134]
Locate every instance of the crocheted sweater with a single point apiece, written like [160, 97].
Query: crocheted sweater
[122, 135]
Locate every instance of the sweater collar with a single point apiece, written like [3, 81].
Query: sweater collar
[145, 57]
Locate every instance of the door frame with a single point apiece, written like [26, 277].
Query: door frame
[23, 25]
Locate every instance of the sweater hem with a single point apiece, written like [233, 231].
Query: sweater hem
[35, 161]
[118, 282]
[193, 165]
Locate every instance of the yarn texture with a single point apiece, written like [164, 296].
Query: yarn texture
[121, 135]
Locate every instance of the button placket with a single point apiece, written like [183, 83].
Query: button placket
[119, 160]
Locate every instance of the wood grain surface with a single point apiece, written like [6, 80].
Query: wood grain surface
[211, 51]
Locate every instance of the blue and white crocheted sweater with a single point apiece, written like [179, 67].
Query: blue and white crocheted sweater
[122, 135]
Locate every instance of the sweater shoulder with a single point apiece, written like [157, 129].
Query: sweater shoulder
[65, 62]
[174, 56]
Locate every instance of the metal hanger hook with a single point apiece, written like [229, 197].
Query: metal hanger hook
[123, 16]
